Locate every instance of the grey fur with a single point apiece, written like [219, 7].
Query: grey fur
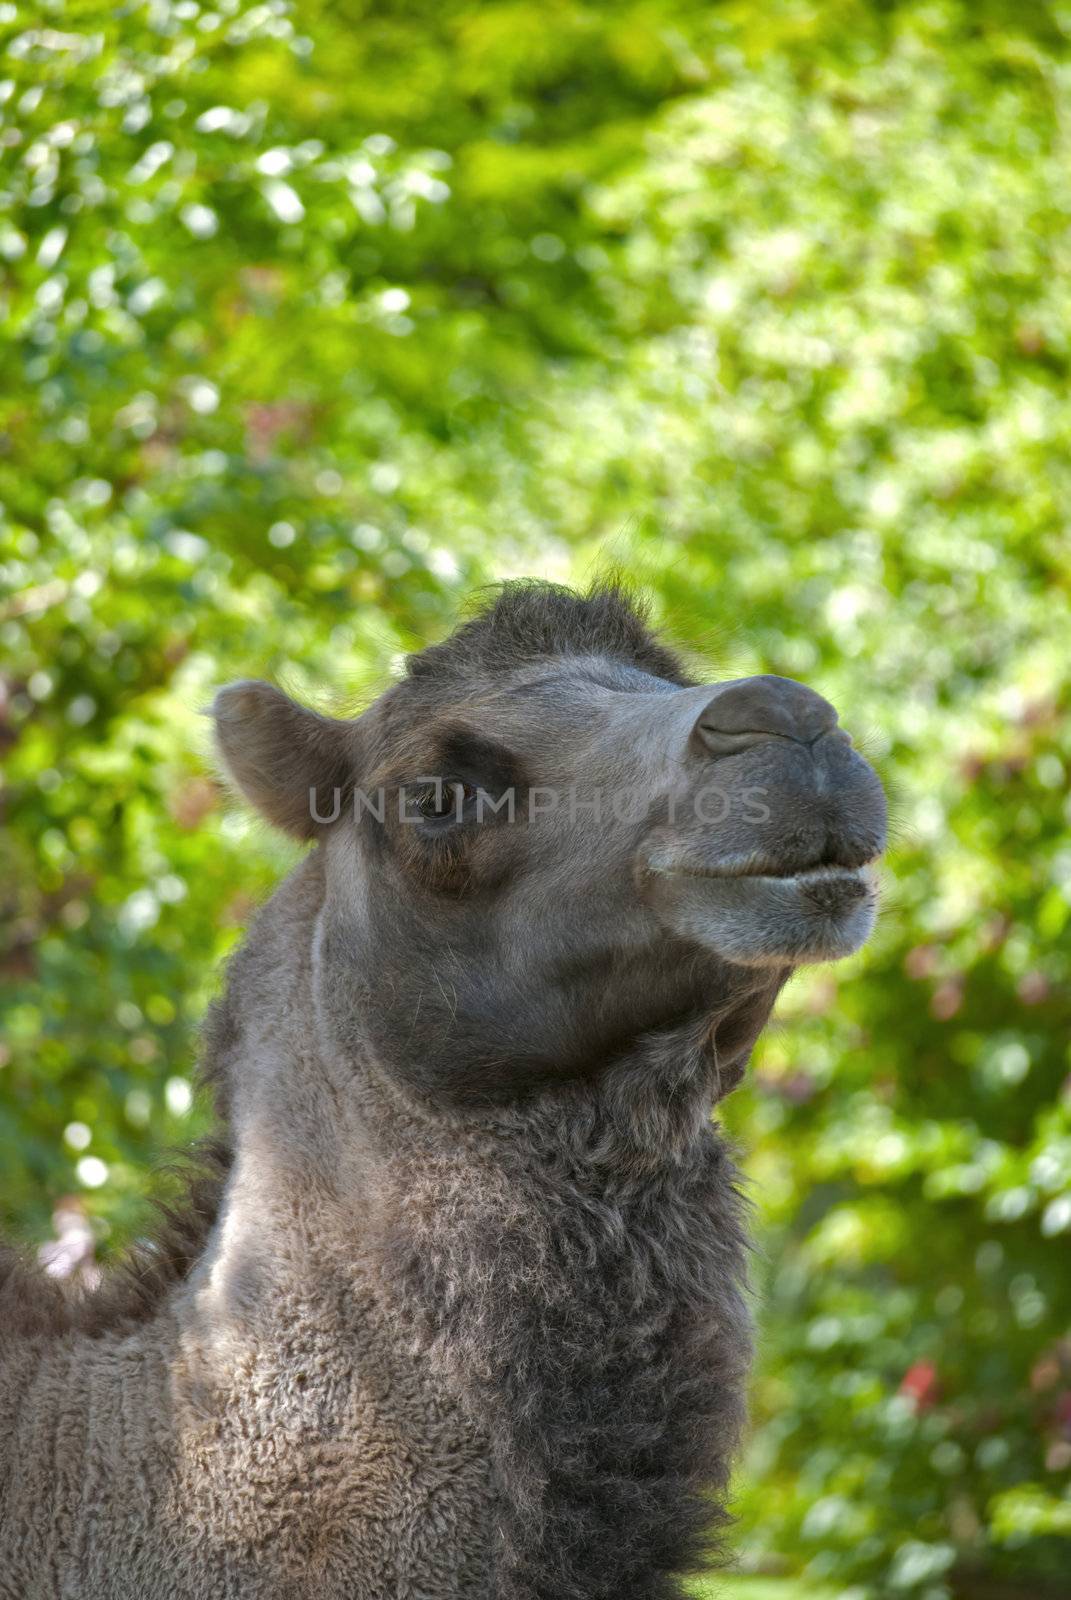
[459, 1309]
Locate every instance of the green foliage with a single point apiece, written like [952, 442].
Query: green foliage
[314, 316]
[737, 1588]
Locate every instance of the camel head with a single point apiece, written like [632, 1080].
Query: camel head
[548, 841]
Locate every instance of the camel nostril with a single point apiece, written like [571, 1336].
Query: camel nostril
[718, 743]
[751, 710]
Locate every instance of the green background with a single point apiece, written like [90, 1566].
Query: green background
[316, 316]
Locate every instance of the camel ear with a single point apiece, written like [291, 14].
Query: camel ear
[293, 764]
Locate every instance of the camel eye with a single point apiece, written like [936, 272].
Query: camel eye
[446, 800]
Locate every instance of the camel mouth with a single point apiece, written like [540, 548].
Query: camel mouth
[829, 872]
[763, 918]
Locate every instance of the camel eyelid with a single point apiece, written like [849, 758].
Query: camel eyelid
[575, 680]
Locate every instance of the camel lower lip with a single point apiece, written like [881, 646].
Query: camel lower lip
[764, 919]
[804, 875]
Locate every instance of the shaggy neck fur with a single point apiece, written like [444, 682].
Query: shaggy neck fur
[574, 1272]
[498, 1356]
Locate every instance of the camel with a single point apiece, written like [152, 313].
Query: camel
[456, 1308]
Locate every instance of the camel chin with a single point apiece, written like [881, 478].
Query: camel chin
[760, 920]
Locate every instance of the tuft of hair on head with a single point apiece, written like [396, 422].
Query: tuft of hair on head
[525, 620]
